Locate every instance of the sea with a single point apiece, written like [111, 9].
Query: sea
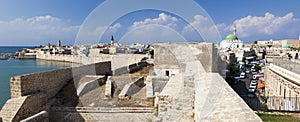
[10, 68]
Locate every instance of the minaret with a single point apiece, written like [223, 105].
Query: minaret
[234, 30]
[112, 41]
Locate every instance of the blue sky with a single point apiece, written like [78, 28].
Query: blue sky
[35, 22]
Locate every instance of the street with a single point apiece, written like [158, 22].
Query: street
[241, 88]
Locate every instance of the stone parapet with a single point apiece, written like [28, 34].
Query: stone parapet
[29, 93]
[103, 109]
[17, 109]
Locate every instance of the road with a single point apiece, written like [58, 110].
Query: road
[241, 88]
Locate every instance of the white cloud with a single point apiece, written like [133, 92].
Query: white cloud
[163, 19]
[36, 30]
[207, 30]
[265, 27]
[164, 28]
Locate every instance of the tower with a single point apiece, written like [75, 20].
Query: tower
[58, 43]
[234, 30]
[112, 41]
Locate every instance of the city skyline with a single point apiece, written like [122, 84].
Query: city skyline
[37, 23]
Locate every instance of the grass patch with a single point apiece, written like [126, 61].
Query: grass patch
[278, 118]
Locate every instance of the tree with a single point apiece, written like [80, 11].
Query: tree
[289, 56]
[257, 68]
[255, 42]
[152, 53]
[234, 69]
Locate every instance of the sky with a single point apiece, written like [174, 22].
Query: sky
[35, 22]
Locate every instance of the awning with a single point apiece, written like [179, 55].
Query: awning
[260, 85]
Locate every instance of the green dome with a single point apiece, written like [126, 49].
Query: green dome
[286, 46]
[231, 37]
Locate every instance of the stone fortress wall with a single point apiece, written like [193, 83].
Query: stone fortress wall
[191, 77]
[118, 60]
[29, 93]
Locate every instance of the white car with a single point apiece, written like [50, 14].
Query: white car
[254, 73]
[243, 75]
[252, 86]
[253, 81]
[251, 90]
[247, 71]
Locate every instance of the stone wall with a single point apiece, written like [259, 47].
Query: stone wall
[197, 92]
[74, 58]
[17, 109]
[29, 93]
[52, 81]
[165, 61]
[168, 57]
[100, 117]
[215, 100]
[118, 60]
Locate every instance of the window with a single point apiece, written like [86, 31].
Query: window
[290, 94]
[296, 102]
[284, 93]
[167, 73]
[280, 90]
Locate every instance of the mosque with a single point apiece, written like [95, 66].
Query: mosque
[231, 41]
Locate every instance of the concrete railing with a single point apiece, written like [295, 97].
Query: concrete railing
[285, 73]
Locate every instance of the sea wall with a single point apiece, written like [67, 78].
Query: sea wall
[52, 81]
[118, 60]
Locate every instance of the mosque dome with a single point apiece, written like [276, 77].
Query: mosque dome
[231, 37]
[286, 46]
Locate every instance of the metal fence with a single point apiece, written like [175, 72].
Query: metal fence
[279, 104]
[256, 103]
[290, 65]
[291, 104]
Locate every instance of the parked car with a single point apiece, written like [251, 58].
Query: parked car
[247, 71]
[253, 82]
[251, 92]
[243, 75]
[254, 73]
[252, 86]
